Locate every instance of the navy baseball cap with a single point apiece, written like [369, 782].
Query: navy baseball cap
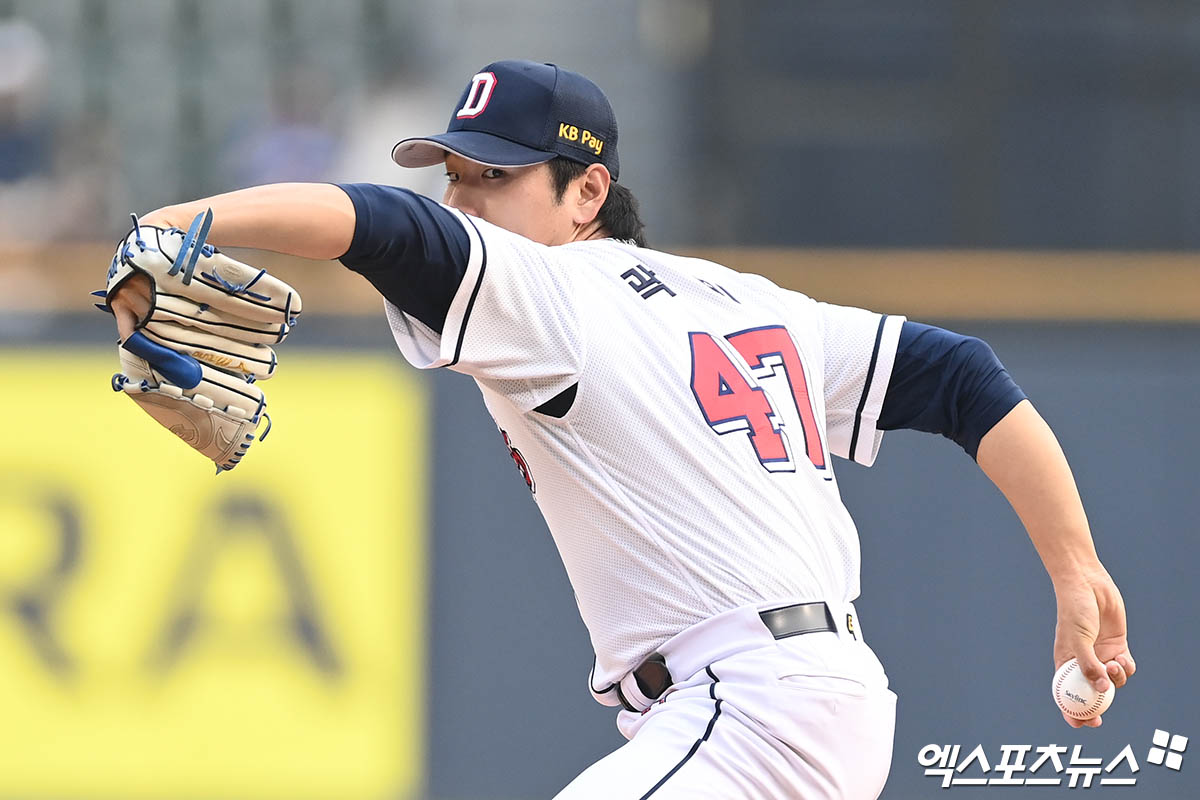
[519, 113]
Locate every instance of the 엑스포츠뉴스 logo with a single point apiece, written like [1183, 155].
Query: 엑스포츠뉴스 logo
[1046, 765]
[1167, 750]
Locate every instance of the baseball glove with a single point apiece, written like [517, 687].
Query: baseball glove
[195, 356]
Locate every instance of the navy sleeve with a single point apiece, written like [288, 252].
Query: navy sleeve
[413, 251]
[943, 382]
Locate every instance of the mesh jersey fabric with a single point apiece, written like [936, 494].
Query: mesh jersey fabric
[661, 519]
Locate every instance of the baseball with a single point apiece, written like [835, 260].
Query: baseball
[1076, 696]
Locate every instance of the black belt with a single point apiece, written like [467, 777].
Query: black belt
[653, 678]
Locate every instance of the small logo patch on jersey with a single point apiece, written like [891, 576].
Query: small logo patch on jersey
[519, 460]
[850, 626]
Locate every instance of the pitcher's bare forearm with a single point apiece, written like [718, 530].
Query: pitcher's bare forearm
[311, 220]
[1023, 458]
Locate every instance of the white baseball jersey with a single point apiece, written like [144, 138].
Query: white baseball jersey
[691, 473]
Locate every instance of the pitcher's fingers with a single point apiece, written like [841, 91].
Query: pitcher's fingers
[127, 318]
[1092, 667]
[130, 304]
[1127, 663]
[1116, 673]
[1094, 722]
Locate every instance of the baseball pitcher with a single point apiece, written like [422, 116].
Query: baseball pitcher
[674, 420]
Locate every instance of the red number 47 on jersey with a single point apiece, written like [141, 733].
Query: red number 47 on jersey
[731, 398]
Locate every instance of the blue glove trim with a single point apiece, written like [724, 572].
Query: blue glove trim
[193, 241]
[181, 370]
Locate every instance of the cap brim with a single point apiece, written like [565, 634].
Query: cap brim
[483, 148]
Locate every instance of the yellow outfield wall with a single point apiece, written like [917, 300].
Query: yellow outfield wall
[169, 633]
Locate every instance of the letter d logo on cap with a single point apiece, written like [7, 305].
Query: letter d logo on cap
[480, 93]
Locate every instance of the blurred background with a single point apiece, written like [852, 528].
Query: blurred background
[371, 607]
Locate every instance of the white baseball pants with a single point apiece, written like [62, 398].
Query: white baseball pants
[809, 717]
